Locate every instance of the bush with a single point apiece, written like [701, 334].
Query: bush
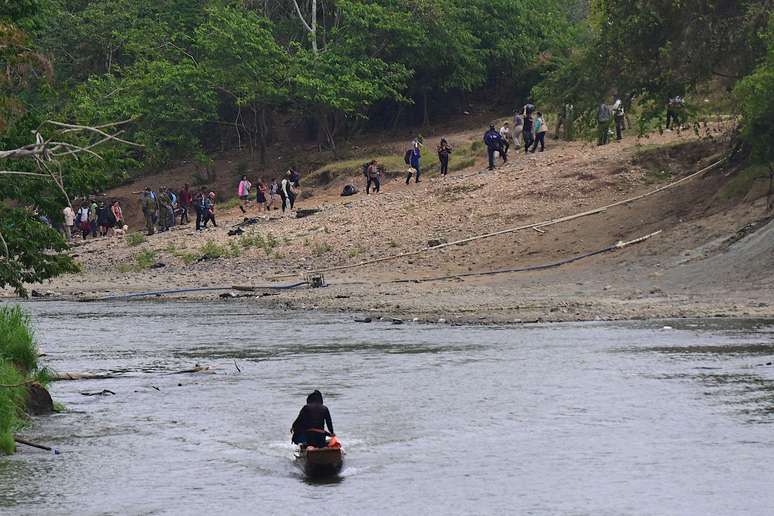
[212, 250]
[18, 364]
[754, 94]
[135, 239]
[17, 345]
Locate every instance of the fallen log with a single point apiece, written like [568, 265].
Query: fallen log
[25, 442]
[56, 377]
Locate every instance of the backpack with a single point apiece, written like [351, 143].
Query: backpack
[365, 169]
[407, 156]
[349, 190]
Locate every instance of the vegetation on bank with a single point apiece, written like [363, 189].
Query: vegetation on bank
[195, 77]
[18, 368]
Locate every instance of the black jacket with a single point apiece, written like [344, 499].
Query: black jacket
[313, 416]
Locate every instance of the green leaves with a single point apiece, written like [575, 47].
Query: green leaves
[755, 94]
[33, 250]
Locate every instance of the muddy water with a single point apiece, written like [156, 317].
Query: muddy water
[554, 419]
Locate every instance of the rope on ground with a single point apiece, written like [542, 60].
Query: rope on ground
[618, 245]
[535, 225]
[201, 289]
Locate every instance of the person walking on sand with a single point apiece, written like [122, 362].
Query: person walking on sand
[619, 115]
[444, 150]
[529, 137]
[273, 194]
[506, 139]
[83, 218]
[261, 191]
[93, 208]
[149, 207]
[416, 154]
[118, 214]
[244, 192]
[493, 142]
[518, 128]
[540, 132]
[209, 210]
[603, 124]
[186, 200]
[286, 193]
[372, 177]
[69, 220]
[103, 218]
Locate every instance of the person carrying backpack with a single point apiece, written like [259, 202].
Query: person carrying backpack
[529, 137]
[493, 142]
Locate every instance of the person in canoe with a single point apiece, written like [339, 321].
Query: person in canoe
[309, 427]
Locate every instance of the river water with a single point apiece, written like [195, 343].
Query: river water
[581, 419]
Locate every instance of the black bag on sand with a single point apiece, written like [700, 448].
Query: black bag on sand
[349, 190]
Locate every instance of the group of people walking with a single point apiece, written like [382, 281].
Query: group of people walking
[529, 126]
[284, 192]
[92, 218]
[161, 209]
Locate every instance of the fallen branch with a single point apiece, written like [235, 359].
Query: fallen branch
[79, 376]
[25, 442]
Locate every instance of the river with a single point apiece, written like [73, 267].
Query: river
[583, 419]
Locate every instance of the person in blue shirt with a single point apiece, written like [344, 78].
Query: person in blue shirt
[494, 142]
[416, 153]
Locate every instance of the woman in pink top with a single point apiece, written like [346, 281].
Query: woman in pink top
[118, 215]
[244, 192]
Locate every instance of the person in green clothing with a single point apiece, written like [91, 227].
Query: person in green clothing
[149, 207]
[603, 123]
[93, 218]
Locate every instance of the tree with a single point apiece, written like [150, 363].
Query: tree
[241, 60]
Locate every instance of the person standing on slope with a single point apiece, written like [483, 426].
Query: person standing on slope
[493, 142]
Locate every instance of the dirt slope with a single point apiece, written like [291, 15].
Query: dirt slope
[698, 265]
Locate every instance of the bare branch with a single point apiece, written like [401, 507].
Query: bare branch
[298, 10]
[75, 128]
[5, 246]
[15, 173]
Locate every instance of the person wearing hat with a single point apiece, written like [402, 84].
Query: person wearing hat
[416, 153]
[493, 142]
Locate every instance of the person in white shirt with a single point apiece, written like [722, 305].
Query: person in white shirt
[507, 138]
[69, 220]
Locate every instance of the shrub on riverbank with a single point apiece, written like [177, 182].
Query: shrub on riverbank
[18, 366]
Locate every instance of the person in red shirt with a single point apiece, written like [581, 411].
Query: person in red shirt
[184, 200]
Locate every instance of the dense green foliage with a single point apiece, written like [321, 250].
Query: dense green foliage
[755, 94]
[195, 77]
[18, 364]
[651, 51]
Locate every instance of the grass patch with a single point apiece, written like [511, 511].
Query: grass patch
[321, 248]
[18, 364]
[135, 239]
[457, 192]
[142, 261]
[230, 203]
[744, 181]
[256, 240]
[356, 251]
[212, 251]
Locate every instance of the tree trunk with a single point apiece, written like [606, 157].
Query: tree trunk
[426, 114]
